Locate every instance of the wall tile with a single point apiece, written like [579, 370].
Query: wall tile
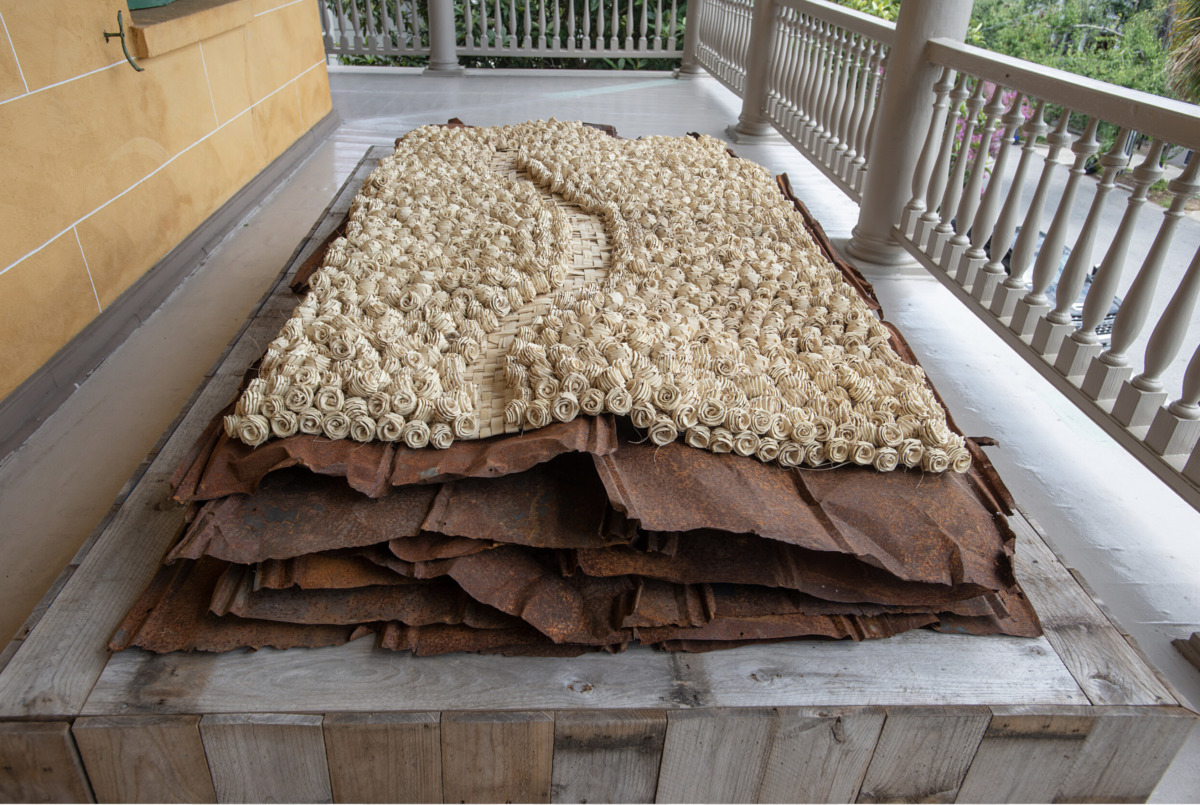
[126, 238]
[225, 58]
[315, 101]
[286, 42]
[277, 122]
[11, 84]
[61, 39]
[88, 140]
[48, 299]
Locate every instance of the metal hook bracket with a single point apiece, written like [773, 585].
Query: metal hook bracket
[124, 46]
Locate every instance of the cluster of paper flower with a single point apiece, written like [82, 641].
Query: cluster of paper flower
[719, 320]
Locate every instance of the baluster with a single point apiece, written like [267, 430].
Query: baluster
[846, 111]
[1006, 225]
[658, 27]
[370, 39]
[954, 186]
[1013, 288]
[542, 41]
[468, 24]
[512, 22]
[360, 39]
[774, 63]
[934, 144]
[804, 77]
[1083, 348]
[940, 175]
[498, 26]
[416, 16]
[843, 105]
[600, 24]
[671, 23]
[558, 41]
[862, 77]
[386, 26]
[1034, 305]
[614, 42]
[642, 38]
[343, 27]
[1144, 394]
[989, 222]
[791, 87]
[821, 89]
[1111, 369]
[957, 246]
[527, 42]
[867, 132]
[837, 64]
[1050, 331]
[1175, 428]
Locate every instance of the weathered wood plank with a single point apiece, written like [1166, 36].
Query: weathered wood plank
[1106, 667]
[1025, 754]
[39, 763]
[384, 757]
[359, 678]
[717, 755]
[497, 757]
[144, 758]
[59, 662]
[266, 758]
[820, 755]
[920, 667]
[607, 756]
[1126, 753]
[923, 754]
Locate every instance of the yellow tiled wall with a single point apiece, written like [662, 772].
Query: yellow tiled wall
[106, 169]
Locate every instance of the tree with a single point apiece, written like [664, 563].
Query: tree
[1183, 64]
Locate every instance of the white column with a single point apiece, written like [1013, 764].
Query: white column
[901, 122]
[753, 125]
[905, 106]
[443, 55]
[689, 65]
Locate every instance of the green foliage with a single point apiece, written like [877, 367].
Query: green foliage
[1118, 41]
[1183, 66]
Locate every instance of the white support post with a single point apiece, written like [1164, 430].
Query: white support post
[900, 125]
[443, 53]
[689, 65]
[753, 125]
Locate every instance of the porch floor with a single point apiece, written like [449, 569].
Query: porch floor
[1135, 542]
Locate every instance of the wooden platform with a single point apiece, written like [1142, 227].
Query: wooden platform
[1075, 715]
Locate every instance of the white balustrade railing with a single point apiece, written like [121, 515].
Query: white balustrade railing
[1004, 252]
[723, 39]
[375, 27]
[823, 84]
[505, 28]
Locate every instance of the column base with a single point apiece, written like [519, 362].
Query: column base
[1103, 381]
[1074, 357]
[1004, 301]
[753, 133]
[685, 71]
[1025, 317]
[1135, 408]
[1171, 434]
[1048, 337]
[887, 254]
[444, 70]
[983, 287]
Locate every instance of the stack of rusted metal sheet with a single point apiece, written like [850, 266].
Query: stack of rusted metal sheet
[576, 537]
[572, 538]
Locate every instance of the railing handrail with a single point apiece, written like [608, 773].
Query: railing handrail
[1171, 120]
[846, 18]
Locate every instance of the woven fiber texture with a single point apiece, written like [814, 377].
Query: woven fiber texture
[498, 279]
